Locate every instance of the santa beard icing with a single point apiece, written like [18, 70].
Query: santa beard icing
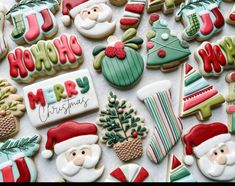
[84, 173]
[215, 171]
[96, 25]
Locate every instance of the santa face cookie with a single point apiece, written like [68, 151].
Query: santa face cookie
[120, 62]
[45, 58]
[165, 50]
[33, 21]
[3, 44]
[60, 97]
[201, 18]
[122, 128]
[129, 173]
[11, 109]
[197, 96]
[92, 18]
[16, 164]
[213, 148]
[77, 151]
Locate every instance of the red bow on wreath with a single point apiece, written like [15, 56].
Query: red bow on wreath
[116, 51]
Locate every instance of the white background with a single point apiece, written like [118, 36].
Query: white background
[47, 169]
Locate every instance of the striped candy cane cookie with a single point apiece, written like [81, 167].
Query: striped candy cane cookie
[168, 127]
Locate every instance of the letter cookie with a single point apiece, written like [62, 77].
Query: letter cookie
[132, 15]
[168, 128]
[202, 19]
[33, 20]
[45, 58]
[122, 128]
[3, 44]
[16, 164]
[119, 62]
[11, 109]
[197, 96]
[60, 97]
[165, 50]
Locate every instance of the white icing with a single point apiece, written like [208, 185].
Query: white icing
[188, 160]
[165, 36]
[66, 20]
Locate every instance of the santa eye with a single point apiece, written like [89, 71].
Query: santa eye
[94, 10]
[222, 150]
[83, 152]
[74, 153]
[89, 12]
[215, 153]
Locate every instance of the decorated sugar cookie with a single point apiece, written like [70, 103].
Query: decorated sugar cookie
[76, 149]
[122, 128]
[168, 127]
[33, 20]
[202, 19]
[3, 44]
[214, 58]
[177, 172]
[60, 97]
[132, 14]
[118, 2]
[231, 17]
[129, 173]
[45, 58]
[11, 109]
[92, 18]
[197, 96]
[213, 149]
[167, 6]
[165, 50]
[120, 62]
[16, 164]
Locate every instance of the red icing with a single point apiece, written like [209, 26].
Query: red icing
[232, 76]
[74, 45]
[231, 109]
[150, 45]
[175, 162]
[119, 175]
[120, 53]
[119, 44]
[36, 99]
[129, 21]
[142, 175]
[67, 5]
[110, 52]
[219, 22]
[154, 17]
[70, 87]
[134, 134]
[34, 30]
[23, 170]
[161, 53]
[188, 68]
[48, 23]
[7, 174]
[232, 17]
[28, 60]
[135, 8]
[207, 27]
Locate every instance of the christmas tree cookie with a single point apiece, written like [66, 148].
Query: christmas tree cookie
[120, 62]
[11, 108]
[122, 128]
[3, 44]
[197, 96]
[177, 172]
[165, 50]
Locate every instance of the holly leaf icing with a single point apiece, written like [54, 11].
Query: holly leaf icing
[98, 61]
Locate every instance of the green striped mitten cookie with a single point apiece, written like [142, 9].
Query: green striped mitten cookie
[120, 62]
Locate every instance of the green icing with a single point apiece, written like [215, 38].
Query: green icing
[83, 84]
[169, 4]
[193, 78]
[51, 52]
[97, 50]
[59, 92]
[228, 45]
[179, 174]
[129, 34]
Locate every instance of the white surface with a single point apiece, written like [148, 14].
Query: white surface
[47, 168]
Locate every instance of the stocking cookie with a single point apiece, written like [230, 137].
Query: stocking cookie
[168, 128]
[129, 173]
[3, 44]
[45, 58]
[11, 109]
[33, 20]
[118, 2]
[16, 164]
[122, 128]
[165, 50]
[132, 14]
[60, 97]
[76, 149]
[202, 19]
[119, 62]
[197, 96]
[213, 148]
[177, 172]
[92, 18]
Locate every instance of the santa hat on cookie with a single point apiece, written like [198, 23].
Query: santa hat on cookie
[74, 7]
[67, 135]
[202, 138]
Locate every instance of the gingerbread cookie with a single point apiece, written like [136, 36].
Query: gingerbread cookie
[165, 50]
[167, 6]
[16, 164]
[45, 58]
[197, 96]
[119, 62]
[168, 128]
[118, 2]
[202, 19]
[60, 97]
[77, 151]
[214, 58]
[132, 14]
[177, 172]
[122, 128]
[33, 20]
[129, 173]
[3, 44]
[213, 148]
[11, 108]
[92, 18]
